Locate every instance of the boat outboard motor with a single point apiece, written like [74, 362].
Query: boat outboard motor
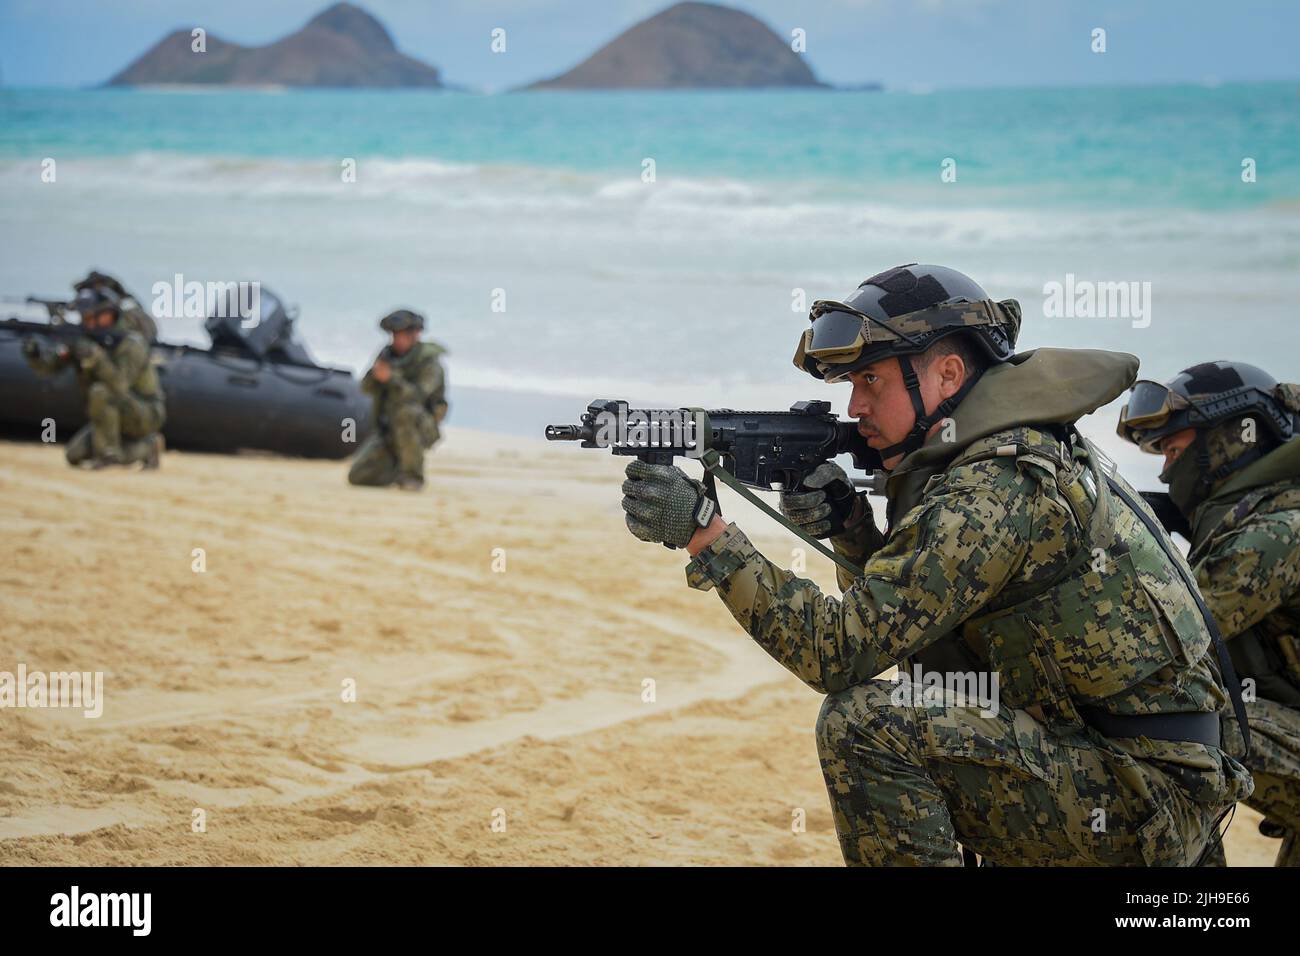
[268, 335]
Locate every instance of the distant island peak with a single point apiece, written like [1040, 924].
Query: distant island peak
[342, 46]
[691, 46]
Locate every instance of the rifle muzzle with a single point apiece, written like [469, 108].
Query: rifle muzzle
[568, 432]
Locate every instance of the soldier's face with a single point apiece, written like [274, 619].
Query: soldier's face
[1171, 446]
[97, 321]
[883, 407]
[405, 340]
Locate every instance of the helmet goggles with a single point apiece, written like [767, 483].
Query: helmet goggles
[1154, 412]
[841, 339]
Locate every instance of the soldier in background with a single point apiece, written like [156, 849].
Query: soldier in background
[132, 313]
[124, 402]
[1228, 433]
[1010, 554]
[407, 386]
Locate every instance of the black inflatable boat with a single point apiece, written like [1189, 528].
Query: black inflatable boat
[255, 388]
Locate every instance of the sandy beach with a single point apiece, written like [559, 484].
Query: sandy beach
[499, 630]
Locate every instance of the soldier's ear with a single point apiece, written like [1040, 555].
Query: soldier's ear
[952, 372]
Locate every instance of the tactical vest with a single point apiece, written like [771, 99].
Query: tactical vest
[410, 367]
[134, 317]
[145, 386]
[1266, 653]
[1090, 637]
[437, 402]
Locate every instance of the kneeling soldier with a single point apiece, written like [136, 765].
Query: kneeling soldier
[407, 388]
[124, 402]
[1010, 556]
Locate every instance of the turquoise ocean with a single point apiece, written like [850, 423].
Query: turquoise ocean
[686, 289]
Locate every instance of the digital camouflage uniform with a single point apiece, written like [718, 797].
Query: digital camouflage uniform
[1246, 553]
[997, 560]
[125, 404]
[138, 320]
[407, 411]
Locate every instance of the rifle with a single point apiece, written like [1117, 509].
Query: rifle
[56, 336]
[758, 449]
[57, 309]
[1167, 512]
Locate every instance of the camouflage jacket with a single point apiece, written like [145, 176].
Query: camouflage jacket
[138, 320]
[990, 540]
[1246, 552]
[125, 366]
[1003, 559]
[416, 377]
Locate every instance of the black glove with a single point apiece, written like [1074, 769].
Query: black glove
[822, 504]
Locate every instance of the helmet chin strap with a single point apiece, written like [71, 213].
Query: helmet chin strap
[921, 430]
[1203, 464]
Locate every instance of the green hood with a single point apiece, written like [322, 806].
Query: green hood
[1280, 465]
[1042, 387]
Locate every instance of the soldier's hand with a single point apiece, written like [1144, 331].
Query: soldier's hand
[823, 503]
[382, 371]
[664, 504]
[86, 351]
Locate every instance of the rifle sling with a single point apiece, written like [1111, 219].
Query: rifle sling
[712, 463]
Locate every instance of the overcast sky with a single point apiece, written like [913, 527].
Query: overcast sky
[902, 43]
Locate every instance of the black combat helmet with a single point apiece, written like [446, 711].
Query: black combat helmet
[901, 313]
[401, 320]
[101, 280]
[93, 299]
[1203, 396]
[1215, 399]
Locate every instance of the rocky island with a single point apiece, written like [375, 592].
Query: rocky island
[343, 46]
[690, 45]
